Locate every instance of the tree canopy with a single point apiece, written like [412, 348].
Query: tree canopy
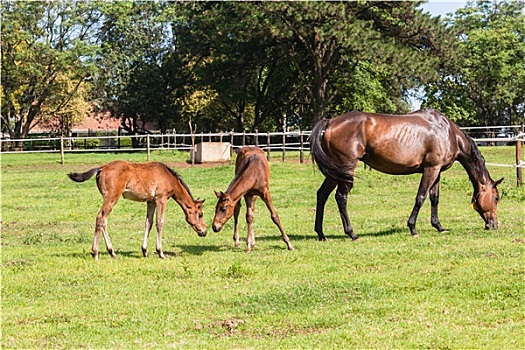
[256, 65]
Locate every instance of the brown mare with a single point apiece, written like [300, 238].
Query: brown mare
[424, 142]
[151, 182]
[252, 179]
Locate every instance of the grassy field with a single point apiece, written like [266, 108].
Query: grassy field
[458, 289]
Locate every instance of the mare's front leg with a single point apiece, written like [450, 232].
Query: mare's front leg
[149, 223]
[236, 212]
[161, 209]
[275, 218]
[341, 197]
[323, 193]
[102, 226]
[250, 206]
[428, 180]
[434, 201]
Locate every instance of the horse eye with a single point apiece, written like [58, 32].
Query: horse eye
[223, 209]
[497, 199]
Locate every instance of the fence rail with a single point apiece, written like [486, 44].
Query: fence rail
[269, 142]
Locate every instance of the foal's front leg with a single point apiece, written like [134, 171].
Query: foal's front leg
[236, 212]
[161, 209]
[149, 223]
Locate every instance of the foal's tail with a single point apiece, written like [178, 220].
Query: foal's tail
[330, 167]
[81, 177]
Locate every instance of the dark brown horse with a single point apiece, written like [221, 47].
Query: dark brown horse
[424, 142]
[153, 183]
[252, 179]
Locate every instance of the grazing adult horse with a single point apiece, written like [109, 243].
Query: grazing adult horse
[252, 179]
[424, 142]
[153, 183]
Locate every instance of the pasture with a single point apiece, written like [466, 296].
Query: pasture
[459, 289]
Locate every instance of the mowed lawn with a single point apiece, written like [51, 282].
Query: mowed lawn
[463, 288]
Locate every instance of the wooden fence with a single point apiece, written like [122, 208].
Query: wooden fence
[271, 143]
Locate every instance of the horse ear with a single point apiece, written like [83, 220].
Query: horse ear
[499, 181]
[217, 194]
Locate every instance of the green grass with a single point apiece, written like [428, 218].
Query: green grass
[458, 289]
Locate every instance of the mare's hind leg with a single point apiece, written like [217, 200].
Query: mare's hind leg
[434, 201]
[250, 206]
[102, 226]
[428, 180]
[341, 197]
[275, 218]
[149, 223]
[322, 196]
[236, 212]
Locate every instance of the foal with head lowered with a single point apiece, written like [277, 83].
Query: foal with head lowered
[252, 179]
[153, 183]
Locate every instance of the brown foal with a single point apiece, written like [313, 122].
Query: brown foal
[153, 183]
[252, 179]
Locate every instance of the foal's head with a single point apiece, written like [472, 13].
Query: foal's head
[485, 201]
[194, 217]
[223, 211]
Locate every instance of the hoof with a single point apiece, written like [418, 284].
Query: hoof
[415, 235]
[94, 255]
[161, 254]
[356, 239]
[290, 247]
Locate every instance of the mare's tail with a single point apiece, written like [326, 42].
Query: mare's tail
[81, 177]
[330, 167]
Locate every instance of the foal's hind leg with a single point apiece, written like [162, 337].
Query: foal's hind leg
[322, 196]
[250, 206]
[434, 201]
[149, 223]
[341, 197]
[275, 218]
[102, 226]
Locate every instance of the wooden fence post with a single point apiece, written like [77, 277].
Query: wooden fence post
[519, 169]
[268, 146]
[147, 148]
[62, 160]
[284, 146]
[301, 144]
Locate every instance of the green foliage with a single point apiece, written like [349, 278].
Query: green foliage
[487, 86]
[457, 289]
[47, 52]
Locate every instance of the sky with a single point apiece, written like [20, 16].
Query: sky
[437, 8]
[442, 7]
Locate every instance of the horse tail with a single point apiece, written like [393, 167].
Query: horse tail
[81, 177]
[329, 166]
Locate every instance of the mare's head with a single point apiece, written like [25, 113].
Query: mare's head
[223, 211]
[194, 217]
[485, 201]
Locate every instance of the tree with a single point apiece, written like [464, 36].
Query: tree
[487, 86]
[142, 77]
[47, 58]
[335, 41]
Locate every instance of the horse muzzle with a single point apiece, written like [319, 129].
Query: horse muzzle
[216, 228]
[491, 225]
